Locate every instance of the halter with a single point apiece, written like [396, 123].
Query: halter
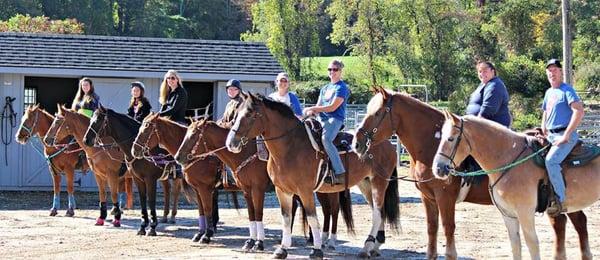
[458, 139]
[29, 130]
[190, 156]
[369, 135]
[144, 146]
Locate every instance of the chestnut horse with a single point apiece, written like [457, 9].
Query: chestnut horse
[36, 122]
[514, 189]
[107, 124]
[418, 126]
[205, 137]
[202, 175]
[105, 163]
[293, 168]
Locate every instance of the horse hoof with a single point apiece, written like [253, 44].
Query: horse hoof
[115, 211]
[316, 254]
[198, 236]
[205, 239]
[259, 246]
[363, 254]
[163, 220]
[141, 232]
[172, 221]
[116, 223]
[152, 232]
[53, 212]
[70, 212]
[280, 253]
[248, 244]
[99, 222]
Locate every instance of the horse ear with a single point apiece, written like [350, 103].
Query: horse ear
[384, 92]
[59, 108]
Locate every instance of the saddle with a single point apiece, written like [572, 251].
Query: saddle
[579, 156]
[343, 140]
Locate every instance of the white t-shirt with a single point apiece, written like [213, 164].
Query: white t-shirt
[285, 99]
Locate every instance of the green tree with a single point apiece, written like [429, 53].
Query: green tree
[289, 29]
[40, 24]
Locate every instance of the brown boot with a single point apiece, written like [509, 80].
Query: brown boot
[555, 208]
[339, 179]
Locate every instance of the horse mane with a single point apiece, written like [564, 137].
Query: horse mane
[405, 97]
[168, 119]
[128, 121]
[282, 108]
[495, 127]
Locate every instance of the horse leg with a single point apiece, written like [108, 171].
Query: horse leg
[579, 220]
[56, 198]
[326, 205]
[308, 201]
[144, 207]
[447, 210]
[258, 201]
[527, 222]
[215, 207]
[285, 202]
[201, 218]
[252, 228]
[151, 193]
[207, 194]
[129, 192]
[167, 197]
[512, 226]
[432, 217]
[71, 191]
[335, 211]
[102, 199]
[378, 188]
[178, 183]
[558, 224]
[113, 183]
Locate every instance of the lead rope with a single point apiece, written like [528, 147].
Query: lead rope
[7, 123]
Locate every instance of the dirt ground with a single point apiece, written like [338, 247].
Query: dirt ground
[26, 231]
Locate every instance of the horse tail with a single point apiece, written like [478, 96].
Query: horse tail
[391, 208]
[188, 191]
[345, 200]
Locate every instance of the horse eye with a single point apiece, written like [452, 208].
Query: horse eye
[450, 139]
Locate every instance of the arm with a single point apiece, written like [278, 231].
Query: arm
[179, 103]
[146, 107]
[337, 102]
[576, 118]
[544, 130]
[296, 107]
[492, 99]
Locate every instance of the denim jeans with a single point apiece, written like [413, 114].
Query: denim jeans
[555, 156]
[331, 126]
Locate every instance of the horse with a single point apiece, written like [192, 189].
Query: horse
[293, 168]
[36, 122]
[108, 124]
[250, 174]
[202, 175]
[417, 125]
[514, 189]
[105, 163]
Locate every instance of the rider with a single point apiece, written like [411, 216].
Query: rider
[173, 98]
[139, 106]
[563, 111]
[331, 108]
[284, 96]
[86, 100]
[233, 88]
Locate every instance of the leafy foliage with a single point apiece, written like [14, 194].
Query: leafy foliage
[40, 24]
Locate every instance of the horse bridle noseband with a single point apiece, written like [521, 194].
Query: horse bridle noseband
[369, 135]
[145, 148]
[455, 147]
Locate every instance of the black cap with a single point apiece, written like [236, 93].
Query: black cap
[234, 83]
[554, 62]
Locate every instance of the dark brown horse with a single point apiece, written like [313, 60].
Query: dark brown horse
[202, 175]
[418, 126]
[250, 173]
[36, 122]
[293, 168]
[107, 124]
[104, 162]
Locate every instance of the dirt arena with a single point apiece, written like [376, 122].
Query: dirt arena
[26, 231]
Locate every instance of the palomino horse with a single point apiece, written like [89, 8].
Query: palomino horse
[108, 124]
[206, 137]
[514, 190]
[104, 162]
[293, 168]
[36, 122]
[417, 125]
[202, 175]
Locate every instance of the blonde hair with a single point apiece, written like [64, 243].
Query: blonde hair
[164, 87]
[80, 93]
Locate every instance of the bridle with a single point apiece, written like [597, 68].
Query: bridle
[455, 147]
[369, 135]
[30, 129]
[145, 147]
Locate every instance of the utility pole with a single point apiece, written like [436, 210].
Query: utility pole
[567, 50]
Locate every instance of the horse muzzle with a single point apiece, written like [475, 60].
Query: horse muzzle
[441, 171]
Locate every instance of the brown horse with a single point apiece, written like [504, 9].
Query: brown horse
[514, 190]
[293, 168]
[36, 122]
[418, 126]
[104, 162]
[202, 175]
[205, 137]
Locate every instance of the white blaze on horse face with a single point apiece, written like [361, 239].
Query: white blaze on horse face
[375, 104]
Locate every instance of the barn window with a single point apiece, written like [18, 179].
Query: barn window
[30, 97]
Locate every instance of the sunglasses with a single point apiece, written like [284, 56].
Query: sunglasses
[172, 78]
[333, 69]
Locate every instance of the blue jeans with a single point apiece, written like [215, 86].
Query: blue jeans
[555, 156]
[331, 126]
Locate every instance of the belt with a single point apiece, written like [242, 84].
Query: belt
[557, 130]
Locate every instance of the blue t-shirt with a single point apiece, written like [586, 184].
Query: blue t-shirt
[490, 101]
[328, 94]
[557, 103]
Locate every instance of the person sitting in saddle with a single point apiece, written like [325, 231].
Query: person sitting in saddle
[283, 94]
[139, 106]
[173, 99]
[86, 100]
[562, 114]
[331, 110]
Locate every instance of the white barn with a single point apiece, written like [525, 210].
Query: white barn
[45, 69]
